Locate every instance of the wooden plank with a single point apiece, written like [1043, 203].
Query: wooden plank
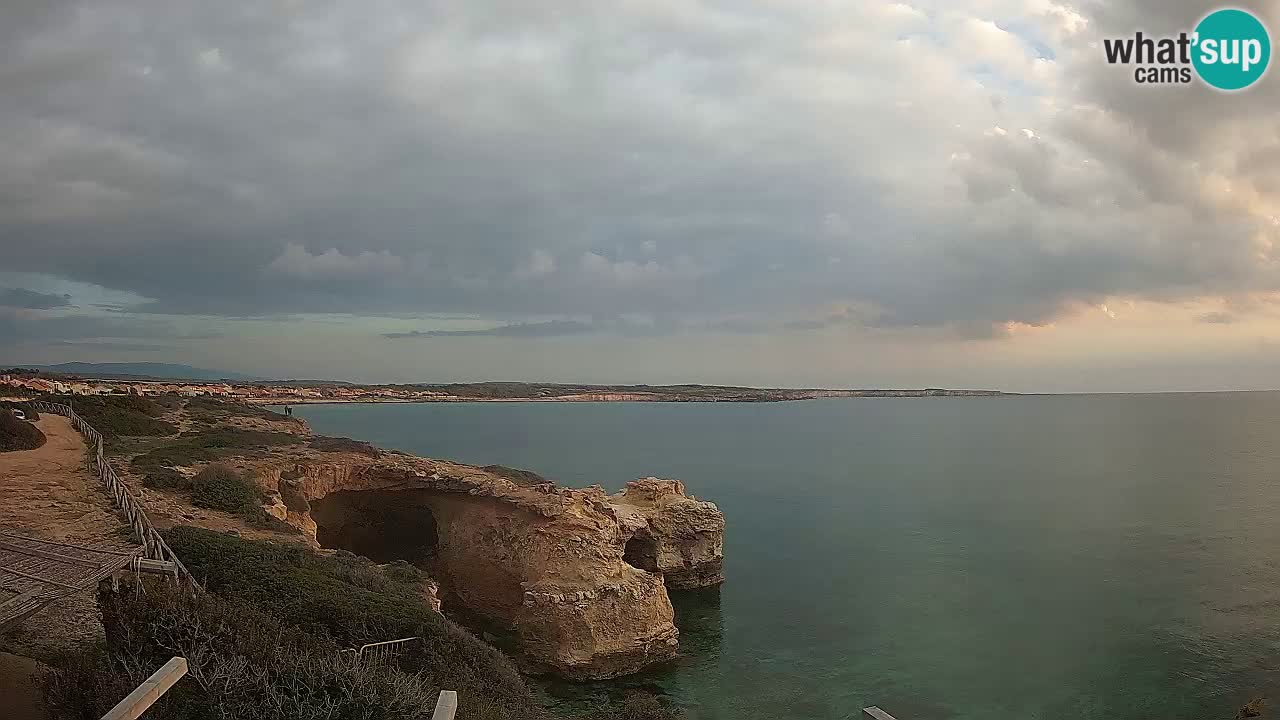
[446, 705]
[66, 545]
[877, 713]
[37, 578]
[147, 565]
[14, 602]
[47, 555]
[149, 691]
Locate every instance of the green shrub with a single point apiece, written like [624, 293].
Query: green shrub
[220, 487]
[331, 597]
[166, 479]
[26, 409]
[211, 410]
[113, 415]
[193, 448]
[242, 664]
[402, 572]
[341, 444]
[18, 434]
[325, 595]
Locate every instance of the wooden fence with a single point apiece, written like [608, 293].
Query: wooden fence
[154, 546]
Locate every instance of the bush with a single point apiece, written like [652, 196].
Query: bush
[26, 409]
[115, 415]
[18, 434]
[193, 448]
[264, 644]
[341, 444]
[166, 479]
[330, 599]
[241, 664]
[220, 487]
[211, 410]
[334, 596]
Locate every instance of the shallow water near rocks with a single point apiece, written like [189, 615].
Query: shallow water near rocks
[944, 558]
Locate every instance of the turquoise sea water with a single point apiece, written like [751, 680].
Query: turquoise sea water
[1073, 557]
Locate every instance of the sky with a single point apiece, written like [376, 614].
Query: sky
[838, 193]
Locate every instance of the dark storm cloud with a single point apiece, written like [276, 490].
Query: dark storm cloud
[31, 300]
[24, 326]
[669, 159]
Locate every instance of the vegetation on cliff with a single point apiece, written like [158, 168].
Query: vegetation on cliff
[123, 415]
[18, 434]
[265, 641]
[191, 448]
[32, 414]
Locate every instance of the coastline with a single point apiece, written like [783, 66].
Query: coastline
[783, 396]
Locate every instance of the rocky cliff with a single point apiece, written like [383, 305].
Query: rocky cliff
[674, 535]
[580, 576]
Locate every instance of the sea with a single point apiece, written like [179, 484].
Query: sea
[971, 558]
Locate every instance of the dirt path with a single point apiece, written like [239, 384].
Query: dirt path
[20, 697]
[50, 493]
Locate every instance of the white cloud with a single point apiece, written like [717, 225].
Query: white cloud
[299, 262]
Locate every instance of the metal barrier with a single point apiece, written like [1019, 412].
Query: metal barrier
[380, 653]
[154, 546]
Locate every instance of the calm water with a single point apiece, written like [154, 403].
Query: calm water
[1041, 557]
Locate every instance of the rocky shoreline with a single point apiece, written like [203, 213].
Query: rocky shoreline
[580, 577]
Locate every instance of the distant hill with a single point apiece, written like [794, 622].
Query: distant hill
[143, 370]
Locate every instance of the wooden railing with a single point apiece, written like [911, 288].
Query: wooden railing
[154, 546]
[146, 694]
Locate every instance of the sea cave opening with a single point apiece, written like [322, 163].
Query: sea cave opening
[382, 525]
[641, 552]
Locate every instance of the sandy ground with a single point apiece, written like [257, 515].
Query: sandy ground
[20, 698]
[49, 493]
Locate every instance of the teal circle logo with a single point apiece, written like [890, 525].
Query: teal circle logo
[1232, 49]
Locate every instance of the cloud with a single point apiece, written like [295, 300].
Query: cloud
[1216, 318]
[946, 165]
[332, 264]
[31, 300]
[552, 328]
[109, 346]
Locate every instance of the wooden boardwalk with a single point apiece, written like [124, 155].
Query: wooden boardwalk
[35, 572]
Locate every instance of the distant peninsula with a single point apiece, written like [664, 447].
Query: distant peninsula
[324, 391]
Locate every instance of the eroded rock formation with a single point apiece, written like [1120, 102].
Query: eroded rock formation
[678, 536]
[578, 574]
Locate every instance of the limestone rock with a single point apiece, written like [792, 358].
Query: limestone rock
[672, 533]
[545, 560]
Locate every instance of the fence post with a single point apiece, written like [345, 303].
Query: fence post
[446, 705]
[153, 545]
[149, 691]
